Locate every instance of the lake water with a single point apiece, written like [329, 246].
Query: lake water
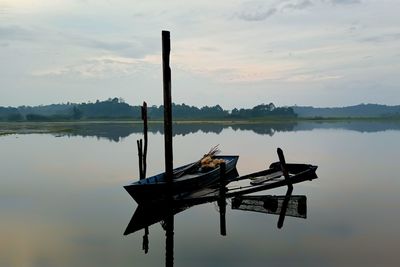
[62, 202]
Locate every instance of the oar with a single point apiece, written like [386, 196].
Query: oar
[289, 190]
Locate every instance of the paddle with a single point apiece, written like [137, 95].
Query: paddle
[194, 166]
[289, 190]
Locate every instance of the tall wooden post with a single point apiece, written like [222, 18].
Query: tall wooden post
[166, 48]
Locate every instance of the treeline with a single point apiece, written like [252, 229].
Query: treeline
[263, 111]
[357, 111]
[116, 108]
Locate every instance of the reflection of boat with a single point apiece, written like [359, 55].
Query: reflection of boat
[151, 213]
[155, 187]
[296, 206]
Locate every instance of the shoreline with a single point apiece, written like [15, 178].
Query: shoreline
[65, 127]
[214, 121]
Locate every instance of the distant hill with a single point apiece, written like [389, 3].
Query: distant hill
[358, 111]
[10, 113]
[116, 108]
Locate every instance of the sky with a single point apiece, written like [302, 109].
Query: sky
[233, 53]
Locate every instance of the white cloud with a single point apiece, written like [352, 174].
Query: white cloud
[262, 10]
[313, 78]
[383, 37]
[298, 5]
[257, 13]
[14, 33]
[99, 68]
[345, 2]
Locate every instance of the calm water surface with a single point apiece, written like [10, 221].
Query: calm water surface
[62, 201]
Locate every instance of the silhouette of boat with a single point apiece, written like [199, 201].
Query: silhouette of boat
[190, 177]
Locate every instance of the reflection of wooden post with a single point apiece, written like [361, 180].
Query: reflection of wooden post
[221, 201]
[142, 168]
[169, 243]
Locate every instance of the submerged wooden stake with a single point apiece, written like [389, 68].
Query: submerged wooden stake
[140, 155]
[144, 118]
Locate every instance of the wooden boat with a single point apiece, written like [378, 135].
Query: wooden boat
[187, 178]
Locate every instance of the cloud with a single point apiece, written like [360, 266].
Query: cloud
[256, 14]
[313, 78]
[127, 48]
[388, 37]
[345, 2]
[3, 10]
[100, 67]
[298, 5]
[12, 33]
[257, 11]
[241, 73]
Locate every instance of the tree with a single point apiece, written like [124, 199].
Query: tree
[76, 113]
